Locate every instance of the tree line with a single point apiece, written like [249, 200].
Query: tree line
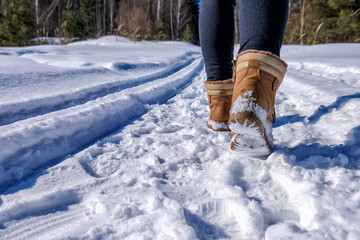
[23, 20]
[323, 21]
[310, 21]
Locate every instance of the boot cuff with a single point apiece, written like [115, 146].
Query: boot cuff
[268, 62]
[224, 87]
[265, 53]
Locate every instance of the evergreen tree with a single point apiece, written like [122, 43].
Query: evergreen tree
[194, 21]
[18, 23]
[187, 34]
[88, 12]
[157, 31]
[325, 21]
[77, 22]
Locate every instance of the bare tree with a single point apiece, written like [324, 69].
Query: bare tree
[37, 15]
[45, 15]
[158, 10]
[111, 6]
[178, 14]
[302, 21]
[98, 17]
[171, 20]
[59, 17]
[104, 18]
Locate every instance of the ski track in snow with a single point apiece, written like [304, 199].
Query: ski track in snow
[71, 127]
[151, 169]
[27, 108]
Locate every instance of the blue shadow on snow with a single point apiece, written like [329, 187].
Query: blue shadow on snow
[203, 229]
[351, 148]
[322, 110]
[288, 119]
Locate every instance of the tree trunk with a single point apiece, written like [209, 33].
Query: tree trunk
[104, 18]
[178, 19]
[289, 8]
[171, 20]
[158, 9]
[111, 14]
[37, 15]
[59, 16]
[302, 21]
[98, 18]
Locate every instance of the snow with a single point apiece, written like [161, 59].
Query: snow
[108, 139]
[218, 126]
[247, 133]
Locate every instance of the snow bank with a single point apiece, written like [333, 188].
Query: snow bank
[42, 125]
[334, 51]
[160, 173]
[34, 142]
[52, 202]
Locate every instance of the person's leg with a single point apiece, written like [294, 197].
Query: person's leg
[216, 27]
[262, 24]
[259, 73]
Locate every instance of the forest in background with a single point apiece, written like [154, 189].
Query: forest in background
[22, 21]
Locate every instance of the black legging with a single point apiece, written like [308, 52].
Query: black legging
[262, 25]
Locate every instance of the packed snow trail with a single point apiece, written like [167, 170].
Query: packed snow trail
[25, 108]
[68, 118]
[164, 175]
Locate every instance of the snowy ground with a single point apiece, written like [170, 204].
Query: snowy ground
[107, 139]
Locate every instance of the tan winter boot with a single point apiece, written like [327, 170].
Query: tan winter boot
[258, 76]
[220, 96]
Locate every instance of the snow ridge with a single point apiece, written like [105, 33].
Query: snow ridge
[39, 140]
[159, 172]
[25, 108]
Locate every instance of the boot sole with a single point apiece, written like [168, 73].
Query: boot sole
[218, 126]
[248, 136]
[219, 129]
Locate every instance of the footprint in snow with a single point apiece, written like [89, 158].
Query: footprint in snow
[102, 166]
[168, 129]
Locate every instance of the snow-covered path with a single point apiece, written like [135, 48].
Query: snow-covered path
[115, 146]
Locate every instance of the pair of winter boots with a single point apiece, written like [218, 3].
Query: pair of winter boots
[245, 105]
